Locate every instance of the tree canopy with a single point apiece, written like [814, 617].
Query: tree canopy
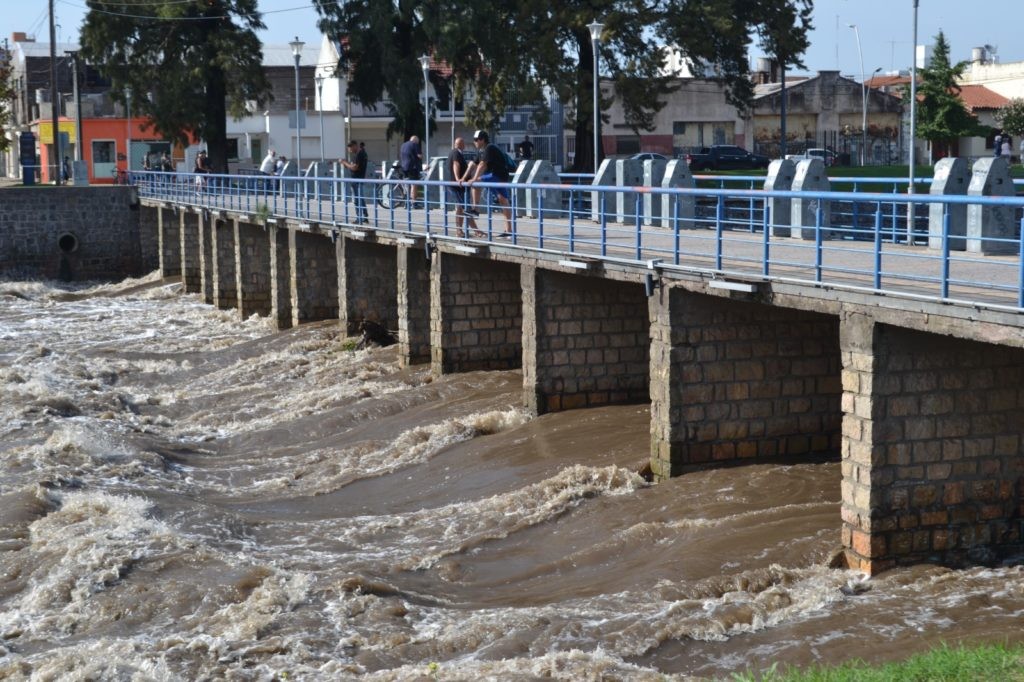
[941, 114]
[1011, 117]
[496, 48]
[187, 63]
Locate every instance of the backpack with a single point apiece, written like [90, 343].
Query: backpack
[510, 164]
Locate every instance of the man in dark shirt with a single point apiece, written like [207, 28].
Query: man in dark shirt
[456, 172]
[492, 168]
[357, 170]
[411, 160]
[526, 148]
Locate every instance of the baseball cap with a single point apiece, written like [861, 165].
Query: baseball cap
[481, 135]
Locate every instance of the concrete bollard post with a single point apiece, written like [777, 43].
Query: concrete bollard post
[672, 206]
[991, 178]
[951, 178]
[810, 177]
[781, 173]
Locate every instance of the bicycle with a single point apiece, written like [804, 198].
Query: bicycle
[393, 195]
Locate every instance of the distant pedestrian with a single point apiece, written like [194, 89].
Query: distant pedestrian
[997, 144]
[1007, 149]
[357, 168]
[165, 163]
[492, 167]
[410, 158]
[456, 173]
[526, 148]
[269, 163]
[66, 167]
[1020, 158]
[282, 163]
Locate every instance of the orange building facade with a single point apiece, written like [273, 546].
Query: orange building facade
[105, 148]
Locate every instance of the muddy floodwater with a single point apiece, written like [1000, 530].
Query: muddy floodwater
[188, 495]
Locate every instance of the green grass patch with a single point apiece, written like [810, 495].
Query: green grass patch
[984, 663]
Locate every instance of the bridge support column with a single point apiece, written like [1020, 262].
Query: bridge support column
[149, 236]
[585, 341]
[476, 314]
[733, 380]
[280, 277]
[225, 282]
[933, 451]
[314, 277]
[191, 269]
[367, 284]
[169, 238]
[252, 269]
[206, 255]
[413, 307]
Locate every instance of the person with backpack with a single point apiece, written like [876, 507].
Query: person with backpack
[493, 166]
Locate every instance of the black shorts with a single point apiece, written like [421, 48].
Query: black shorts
[457, 195]
[413, 174]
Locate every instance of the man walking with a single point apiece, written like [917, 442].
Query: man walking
[492, 168]
[357, 170]
[411, 161]
[268, 167]
[456, 172]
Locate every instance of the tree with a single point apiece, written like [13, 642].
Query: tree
[1011, 117]
[187, 63]
[6, 97]
[498, 48]
[941, 115]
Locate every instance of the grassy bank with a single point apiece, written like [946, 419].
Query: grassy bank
[945, 664]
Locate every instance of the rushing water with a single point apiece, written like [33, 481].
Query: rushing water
[187, 495]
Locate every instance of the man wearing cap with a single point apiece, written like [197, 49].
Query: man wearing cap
[357, 169]
[492, 168]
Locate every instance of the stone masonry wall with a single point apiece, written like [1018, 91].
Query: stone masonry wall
[367, 284]
[149, 237]
[585, 341]
[733, 380]
[191, 268]
[169, 235]
[252, 269]
[933, 451]
[280, 277]
[314, 277]
[206, 256]
[70, 233]
[225, 283]
[413, 307]
[476, 314]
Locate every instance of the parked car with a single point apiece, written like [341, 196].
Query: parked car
[649, 156]
[826, 155]
[725, 157]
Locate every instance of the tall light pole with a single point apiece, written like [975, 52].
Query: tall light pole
[913, 127]
[78, 104]
[595, 37]
[863, 100]
[320, 107]
[425, 65]
[128, 144]
[297, 46]
[53, 98]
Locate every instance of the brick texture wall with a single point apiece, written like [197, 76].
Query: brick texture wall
[367, 283]
[314, 277]
[103, 224]
[191, 268]
[413, 307]
[933, 458]
[734, 380]
[280, 277]
[476, 316]
[169, 236]
[252, 269]
[585, 341]
[225, 282]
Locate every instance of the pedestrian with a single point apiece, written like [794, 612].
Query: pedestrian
[492, 167]
[526, 148]
[201, 168]
[282, 163]
[456, 172]
[269, 163]
[1020, 158]
[1007, 150]
[66, 168]
[165, 163]
[410, 158]
[997, 144]
[357, 170]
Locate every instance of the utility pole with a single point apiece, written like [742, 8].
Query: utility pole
[53, 98]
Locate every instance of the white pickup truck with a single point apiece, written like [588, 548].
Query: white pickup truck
[827, 156]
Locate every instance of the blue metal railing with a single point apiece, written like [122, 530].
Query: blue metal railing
[856, 240]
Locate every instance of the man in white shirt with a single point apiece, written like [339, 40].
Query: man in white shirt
[269, 163]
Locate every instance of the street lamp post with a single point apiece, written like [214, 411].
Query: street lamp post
[297, 46]
[425, 65]
[128, 144]
[863, 100]
[595, 37]
[913, 127]
[320, 108]
[78, 103]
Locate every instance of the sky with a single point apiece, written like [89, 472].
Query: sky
[885, 27]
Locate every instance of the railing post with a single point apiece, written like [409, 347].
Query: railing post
[675, 227]
[719, 212]
[638, 223]
[817, 243]
[604, 224]
[945, 251]
[1020, 297]
[878, 247]
[764, 239]
[572, 222]
[540, 223]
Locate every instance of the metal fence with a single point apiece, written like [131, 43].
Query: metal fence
[893, 243]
